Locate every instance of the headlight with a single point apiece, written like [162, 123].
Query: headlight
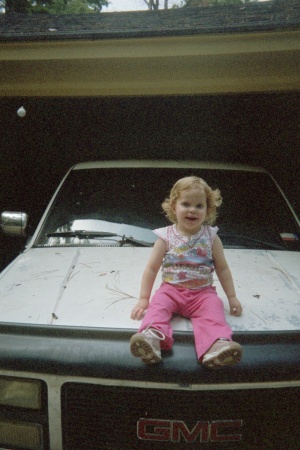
[24, 435]
[20, 392]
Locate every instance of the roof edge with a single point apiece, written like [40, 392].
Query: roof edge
[264, 16]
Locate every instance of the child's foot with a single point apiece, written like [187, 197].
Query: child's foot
[222, 353]
[146, 345]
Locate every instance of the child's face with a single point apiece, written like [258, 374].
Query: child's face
[190, 209]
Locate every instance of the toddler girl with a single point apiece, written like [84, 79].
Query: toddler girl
[188, 251]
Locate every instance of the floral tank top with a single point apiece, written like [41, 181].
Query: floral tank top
[188, 262]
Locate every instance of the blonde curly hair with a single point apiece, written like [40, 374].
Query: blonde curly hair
[213, 198]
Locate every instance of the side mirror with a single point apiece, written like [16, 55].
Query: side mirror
[14, 223]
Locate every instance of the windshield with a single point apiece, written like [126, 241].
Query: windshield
[121, 206]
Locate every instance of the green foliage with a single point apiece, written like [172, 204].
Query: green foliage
[95, 6]
[55, 6]
[212, 2]
[21, 6]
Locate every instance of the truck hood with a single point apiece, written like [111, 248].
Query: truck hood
[98, 287]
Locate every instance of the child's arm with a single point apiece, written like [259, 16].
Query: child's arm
[225, 277]
[149, 275]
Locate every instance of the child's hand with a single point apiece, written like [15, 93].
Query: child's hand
[236, 308]
[139, 309]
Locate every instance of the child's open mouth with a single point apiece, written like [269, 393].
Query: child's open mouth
[191, 219]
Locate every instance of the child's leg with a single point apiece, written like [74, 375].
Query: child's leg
[160, 312]
[208, 319]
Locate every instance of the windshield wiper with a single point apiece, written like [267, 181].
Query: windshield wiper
[81, 234]
[136, 242]
[251, 239]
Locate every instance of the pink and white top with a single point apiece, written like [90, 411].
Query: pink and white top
[188, 263]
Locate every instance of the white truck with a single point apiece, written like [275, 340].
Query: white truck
[67, 378]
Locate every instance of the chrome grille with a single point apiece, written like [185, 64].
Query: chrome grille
[105, 417]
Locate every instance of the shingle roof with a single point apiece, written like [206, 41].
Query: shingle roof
[277, 14]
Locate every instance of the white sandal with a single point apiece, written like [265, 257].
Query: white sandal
[227, 353]
[146, 345]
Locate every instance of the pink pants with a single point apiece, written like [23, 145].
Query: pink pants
[202, 306]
